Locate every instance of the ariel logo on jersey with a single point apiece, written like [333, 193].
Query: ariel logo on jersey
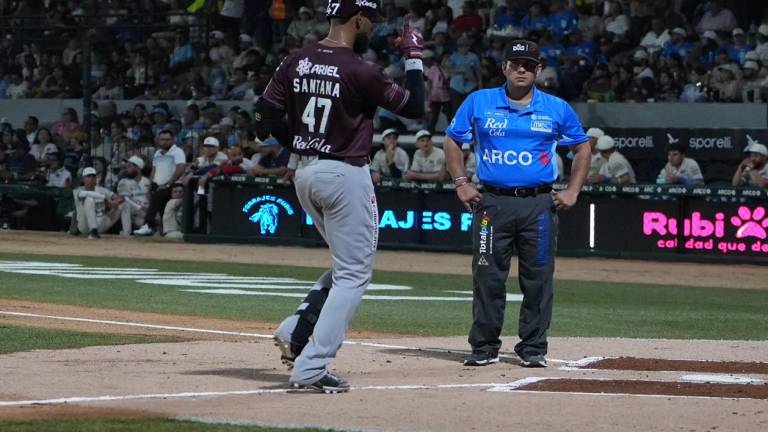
[268, 213]
[306, 67]
[366, 3]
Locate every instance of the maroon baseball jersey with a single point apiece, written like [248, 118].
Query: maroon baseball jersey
[330, 95]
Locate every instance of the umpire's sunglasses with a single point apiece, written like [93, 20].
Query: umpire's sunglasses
[528, 65]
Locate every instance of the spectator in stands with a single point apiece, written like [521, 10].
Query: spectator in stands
[104, 175]
[428, 160]
[597, 160]
[273, 160]
[220, 52]
[168, 166]
[438, 88]
[183, 54]
[135, 189]
[535, 20]
[160, 118]
[738, 49]
[55, 174]
[668, 89]
[469, 22]
[97, 208]
[562, 20]
[67, 125]
[599, 88]
[304, 25]
[173, 214]
[725, 85]
[752, 85]
[110, 89]
[615, 21]
[211, 156]
[761, 48]
[22, 164]
[42, 144]
[19, 87]
[680, 169]
[717, 18]
[236, 164]
[677, 44]
[464, 69]
[658, 37]
[705, 53]
[616, 169]
[391, 161]
[31, 126]
[753, 170]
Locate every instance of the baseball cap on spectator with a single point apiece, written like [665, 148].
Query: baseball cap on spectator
[640, 54]
[423, 133]
[763, 29]
[523, 50]
[757, 148]
[680, 31]
[751, 64]
[268, 142]
[737, 31]
[158, 109]
[217, 34]
[89, 171]
[226, 122]
[388, 132]
[605, 143]
[709, 34]
[347, 8]
[595, 132]
[245, 38]
[211, 142]
[139, 162]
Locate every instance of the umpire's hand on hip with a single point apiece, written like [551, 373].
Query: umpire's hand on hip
[468, 195]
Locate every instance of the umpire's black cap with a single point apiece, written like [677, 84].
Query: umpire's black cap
[522, 49]
[346, 8]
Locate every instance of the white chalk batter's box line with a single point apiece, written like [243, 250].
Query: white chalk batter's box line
[253, 335]
[514, 387]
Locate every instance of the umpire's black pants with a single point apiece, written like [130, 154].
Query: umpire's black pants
[502, 224]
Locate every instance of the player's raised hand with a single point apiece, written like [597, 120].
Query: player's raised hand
[410, 42]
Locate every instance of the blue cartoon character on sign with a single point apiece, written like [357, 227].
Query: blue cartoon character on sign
[268, 213]
[267, 217]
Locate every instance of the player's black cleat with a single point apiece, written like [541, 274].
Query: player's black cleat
[286, 355]
[328, 384]
[533, 361]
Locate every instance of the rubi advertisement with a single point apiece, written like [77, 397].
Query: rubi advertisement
[733, 230]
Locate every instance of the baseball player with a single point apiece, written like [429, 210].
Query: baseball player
[97, 208]
[515, 129]
[680, 169]
[428, 160]
[616, 168]
[330, 96]
[135, 189]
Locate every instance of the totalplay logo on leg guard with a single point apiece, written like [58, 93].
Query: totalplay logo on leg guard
[486, 239]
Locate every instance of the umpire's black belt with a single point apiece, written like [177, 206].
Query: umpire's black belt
[519, 192]
[358, 161]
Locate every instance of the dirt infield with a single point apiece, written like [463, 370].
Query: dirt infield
[584, 269]
[399, 384]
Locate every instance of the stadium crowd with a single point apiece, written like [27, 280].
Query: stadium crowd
[127, 167]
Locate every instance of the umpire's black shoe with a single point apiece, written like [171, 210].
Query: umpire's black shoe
[481, 358]
[533, 361]
[329, 383]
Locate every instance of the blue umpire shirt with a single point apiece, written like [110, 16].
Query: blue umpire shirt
[515, 147]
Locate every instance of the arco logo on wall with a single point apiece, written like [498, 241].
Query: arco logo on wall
[265, 211]
[739, 231]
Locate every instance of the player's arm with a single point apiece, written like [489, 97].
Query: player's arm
[573, 135]
[269, 110]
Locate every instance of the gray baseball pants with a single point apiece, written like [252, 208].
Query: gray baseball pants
[340, 200]
[501, 225]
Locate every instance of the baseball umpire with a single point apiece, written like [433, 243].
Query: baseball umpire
[330, 95]
[515, 130]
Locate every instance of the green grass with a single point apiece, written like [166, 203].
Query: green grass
[581, 308]
[15, 339]
[150, 425]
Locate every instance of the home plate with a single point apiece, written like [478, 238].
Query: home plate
[727, 379]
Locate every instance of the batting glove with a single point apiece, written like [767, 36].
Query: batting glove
[410, 42]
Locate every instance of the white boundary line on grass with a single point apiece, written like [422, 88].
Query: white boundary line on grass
[232, 333]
